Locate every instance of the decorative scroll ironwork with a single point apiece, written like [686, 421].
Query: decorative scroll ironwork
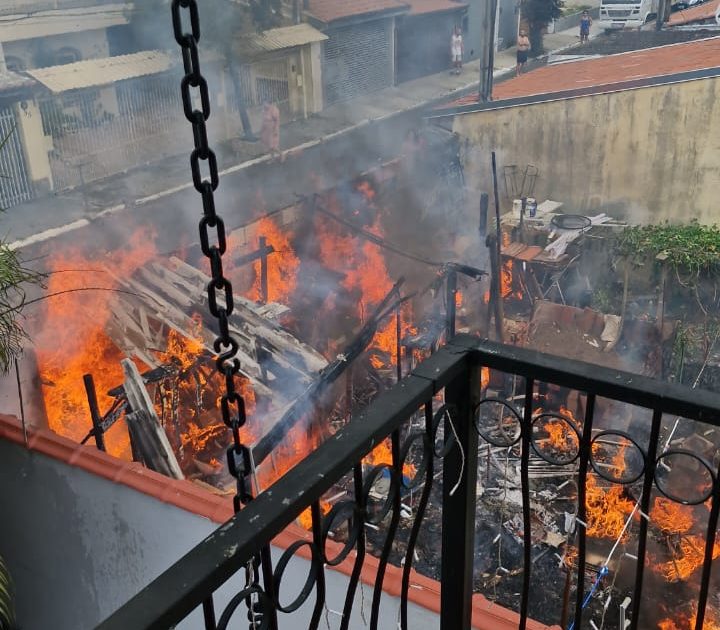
[447, 436]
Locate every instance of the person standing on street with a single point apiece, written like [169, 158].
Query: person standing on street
[456, 50]
[585, 22]
[523, 46]
[270, 131]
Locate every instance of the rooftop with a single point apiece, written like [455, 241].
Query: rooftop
[280, 38]
[604, 72]
[332, 10]
[12, 82]
[698, 13]
[422, 7]
[92, 72]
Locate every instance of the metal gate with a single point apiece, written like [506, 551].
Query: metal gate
[15, 182]
[97, 133]
[357, 60]
[264, 81]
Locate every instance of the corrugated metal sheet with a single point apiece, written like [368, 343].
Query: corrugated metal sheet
[357, 60]
[279, 39]
[11, 81]
[93, 72]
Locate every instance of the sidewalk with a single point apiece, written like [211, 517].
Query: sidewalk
[46, 217]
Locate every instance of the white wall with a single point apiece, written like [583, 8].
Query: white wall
[78, 546]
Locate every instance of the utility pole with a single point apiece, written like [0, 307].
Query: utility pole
[487, 49]
[661, 12]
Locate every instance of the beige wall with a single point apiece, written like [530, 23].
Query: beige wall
[654, 151]
[35, 144]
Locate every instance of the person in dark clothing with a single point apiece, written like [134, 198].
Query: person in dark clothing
[523, 46]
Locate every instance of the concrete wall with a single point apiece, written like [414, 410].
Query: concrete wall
[91, 45]
[78, 546]
[653, 151]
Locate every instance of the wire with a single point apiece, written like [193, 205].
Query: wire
[462, 453]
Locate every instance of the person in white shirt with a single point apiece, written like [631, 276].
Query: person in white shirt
[456, 50]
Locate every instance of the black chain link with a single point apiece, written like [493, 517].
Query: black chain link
[238, 455]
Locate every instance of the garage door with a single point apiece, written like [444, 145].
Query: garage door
[357, 60]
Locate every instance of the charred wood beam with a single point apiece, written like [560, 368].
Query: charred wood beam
[328, 376]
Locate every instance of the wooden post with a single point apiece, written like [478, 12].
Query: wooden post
[145, 426]
[95, 415]
[398, 342]
[263, 271]
[450, 299]
[499, 315]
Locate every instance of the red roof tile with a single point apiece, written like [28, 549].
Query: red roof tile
[331, 10]
[421, 7]
[699, 13]
[607, 71]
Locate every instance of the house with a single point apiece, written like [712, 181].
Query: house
[423, 37]
[705, 13]
[629, 132]
[97, 108]
[506, 26]
[38, 34]
[359, 55]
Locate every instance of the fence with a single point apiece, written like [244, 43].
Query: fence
[99, 132]
[264, 81]
[599, 447]
[15, 182]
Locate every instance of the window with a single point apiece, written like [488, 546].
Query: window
[67, 55]
[14, 64]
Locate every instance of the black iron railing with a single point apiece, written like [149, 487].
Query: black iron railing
[445, 391]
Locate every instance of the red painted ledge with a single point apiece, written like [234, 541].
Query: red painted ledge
[197, 500]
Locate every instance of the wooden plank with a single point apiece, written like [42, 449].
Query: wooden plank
[148, 423]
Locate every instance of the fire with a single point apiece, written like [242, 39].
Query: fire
[484, 378]
[671, 517]
[282, 264]
[608, 509]
[197, 437]
[687, 621]
[689, 559]
[72, 341]
[382, 454]
[366, 277]
[305, 518]
[199, 390]
[506, 274]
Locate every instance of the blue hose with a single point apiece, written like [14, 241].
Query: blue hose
[603, 572]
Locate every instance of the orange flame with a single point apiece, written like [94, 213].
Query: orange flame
[382, 454]
[506, 274]
[305, 518]
[689, 560]
[484, 377]
[671, 517]
[73, 341]
[282, 264]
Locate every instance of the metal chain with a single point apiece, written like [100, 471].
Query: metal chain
[238, 454]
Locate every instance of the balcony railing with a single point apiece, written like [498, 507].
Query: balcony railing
[445, 392]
